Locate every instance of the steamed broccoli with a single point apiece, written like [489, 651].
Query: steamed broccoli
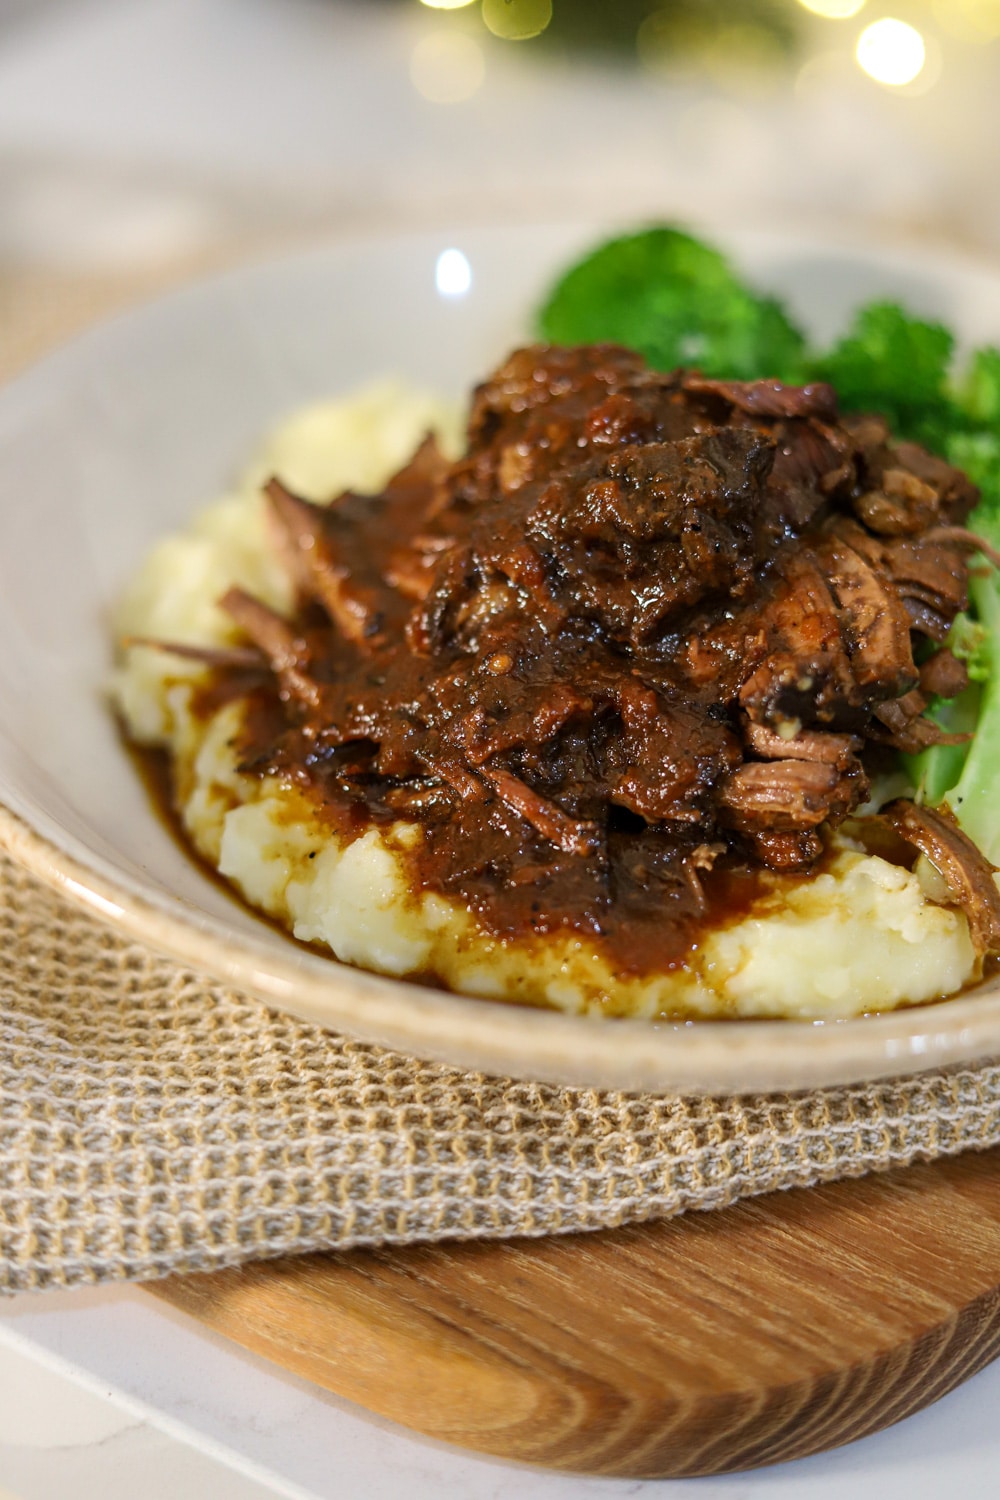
[975, 796]
[979, 393]
[977, 452]
[677, 302]
[892, 363]
[967, 777]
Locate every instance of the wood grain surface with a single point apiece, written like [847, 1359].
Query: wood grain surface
[720, 1341]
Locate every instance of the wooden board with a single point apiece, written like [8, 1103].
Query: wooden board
[777, 1328]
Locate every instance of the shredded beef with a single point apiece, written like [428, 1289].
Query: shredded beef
[966, 872]
[626, 652]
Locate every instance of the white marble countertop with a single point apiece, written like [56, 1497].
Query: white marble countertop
[106, 1395]
[133, 130]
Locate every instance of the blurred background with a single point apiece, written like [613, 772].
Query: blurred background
[142, 140]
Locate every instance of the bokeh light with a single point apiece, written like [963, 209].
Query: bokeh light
[452, 273]
[969, 20]
[446, 4]
[664, 46]
[891, 52]
[517, 20]
[447, 67]
[832, 10]
[742, 59]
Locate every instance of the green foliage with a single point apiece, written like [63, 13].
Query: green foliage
[677, 302]
[974, 796]
[980, 390]
[935, 770]
[978, 453]
[613, 27]
[970, 642]
[895, 364]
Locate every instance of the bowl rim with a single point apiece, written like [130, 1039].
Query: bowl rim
[710, 1057]
[502, 1038]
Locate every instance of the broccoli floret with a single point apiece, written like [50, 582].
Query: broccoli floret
[975, 795]
[979, 393]
[970, 642]
[934, 771]
[978, 454]
[937, 769]
[677, 302]
[897, 365]
[967, 776]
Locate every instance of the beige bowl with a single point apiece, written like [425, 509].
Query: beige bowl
[116, 439]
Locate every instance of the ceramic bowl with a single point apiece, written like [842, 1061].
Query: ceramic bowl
[120, 436]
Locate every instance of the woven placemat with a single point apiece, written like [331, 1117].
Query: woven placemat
[152, 1121]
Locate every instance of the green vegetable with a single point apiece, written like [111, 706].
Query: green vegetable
[677, 302]
[980, 390]
[967, 777]
[970, 642]
[978, 453]
[897, 365]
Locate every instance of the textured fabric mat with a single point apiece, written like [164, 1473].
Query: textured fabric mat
[153, 1122]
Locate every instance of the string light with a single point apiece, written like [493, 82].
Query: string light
[830, 10]
[517, 20]
[891, 52]
[969, 20]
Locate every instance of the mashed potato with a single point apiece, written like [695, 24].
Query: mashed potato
[863, 935]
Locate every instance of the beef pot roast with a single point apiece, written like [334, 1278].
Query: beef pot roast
[634, 648]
